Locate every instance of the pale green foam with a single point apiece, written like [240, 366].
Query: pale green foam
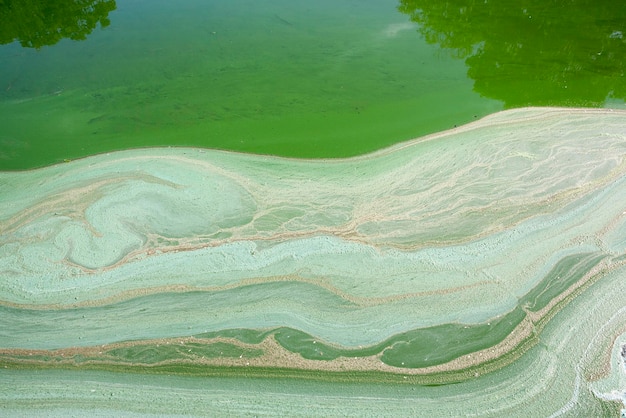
[452, 228]
[543, 382]
[460, 227]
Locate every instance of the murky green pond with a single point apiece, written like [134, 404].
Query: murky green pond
[329, 78]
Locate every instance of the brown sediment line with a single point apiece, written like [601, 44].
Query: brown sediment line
[73, 202]
[346, 231]
[543, 316]
[180, 288]
[597, 272]
[519, 340]
[274, 356]
[597, 373]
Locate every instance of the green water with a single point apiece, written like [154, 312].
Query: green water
[304, 79]
[293, 78]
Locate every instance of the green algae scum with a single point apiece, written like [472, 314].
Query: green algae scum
[164, 252]
[330, 271]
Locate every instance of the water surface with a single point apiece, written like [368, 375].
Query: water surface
[290, 78]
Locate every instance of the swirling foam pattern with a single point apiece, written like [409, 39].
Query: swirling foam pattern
[492, 256]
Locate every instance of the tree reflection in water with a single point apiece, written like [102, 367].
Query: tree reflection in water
[533, 52]
[38, 23]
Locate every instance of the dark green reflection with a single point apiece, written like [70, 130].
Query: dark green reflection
[37, 23]
[533, 52]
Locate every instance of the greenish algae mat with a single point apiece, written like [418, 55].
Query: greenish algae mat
[478, 271]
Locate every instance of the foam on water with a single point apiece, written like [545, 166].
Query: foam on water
[519, 209]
